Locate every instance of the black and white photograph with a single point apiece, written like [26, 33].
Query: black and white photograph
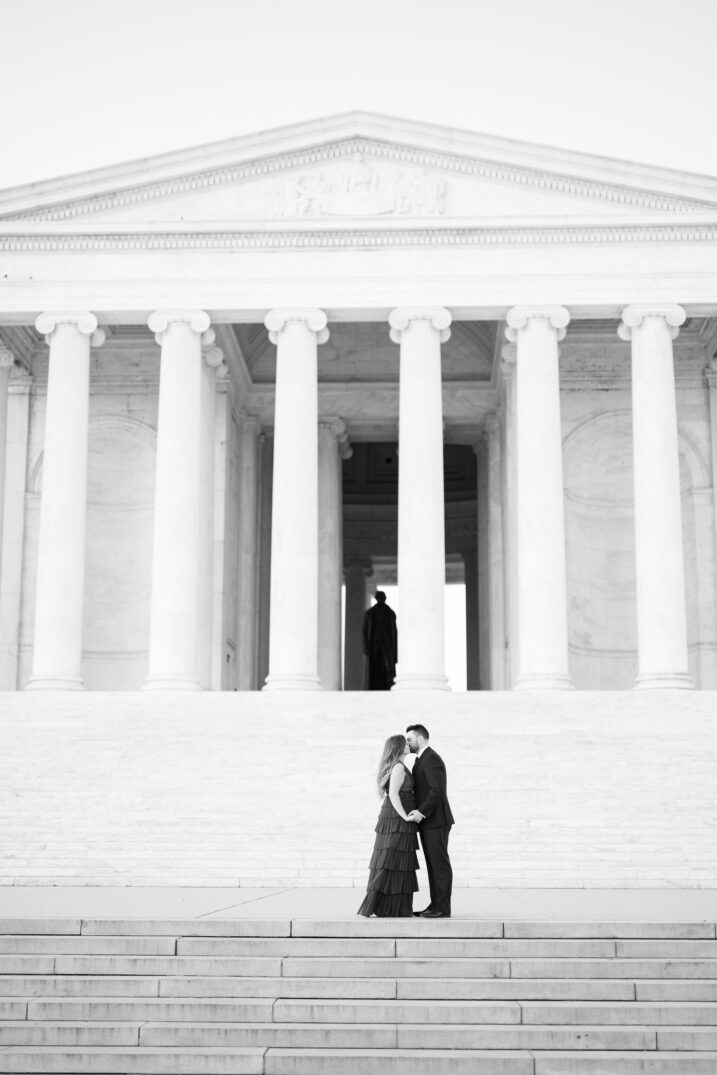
[358, 537]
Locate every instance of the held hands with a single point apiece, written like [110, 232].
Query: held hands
[415, 816]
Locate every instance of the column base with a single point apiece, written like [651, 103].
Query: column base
[291, 681]
[664, 681]
[170, 683]
[421, 681]
[544, 681]
[54, 683]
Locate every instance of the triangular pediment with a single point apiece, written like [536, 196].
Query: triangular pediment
[364, 169]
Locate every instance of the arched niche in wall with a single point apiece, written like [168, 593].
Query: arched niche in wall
[600, 548]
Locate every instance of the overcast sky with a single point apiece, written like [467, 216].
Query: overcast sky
[87, 83]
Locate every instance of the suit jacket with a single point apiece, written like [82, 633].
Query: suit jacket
[429, 773]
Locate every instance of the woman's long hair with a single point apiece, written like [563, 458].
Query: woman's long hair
[393, 751]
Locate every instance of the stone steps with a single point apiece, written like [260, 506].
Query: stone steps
[543, 787]
[286, 1061]
[357, 997]
[382, 1035]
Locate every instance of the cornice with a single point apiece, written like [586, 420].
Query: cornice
[278, 163]
[22, 240]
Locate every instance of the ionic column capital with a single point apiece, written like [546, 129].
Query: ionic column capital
[213, 356]
[84, 322]
[251, 423]
[337, 428]
[7, 358]
[491, 425]
[400, 318]
[508, 359]
[519, 316]
[355, 562]
[634, 315]
[314, 319]
[161, 320]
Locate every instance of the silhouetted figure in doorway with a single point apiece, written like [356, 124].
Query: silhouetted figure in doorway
[380, 644]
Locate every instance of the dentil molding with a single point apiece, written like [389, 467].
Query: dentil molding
[132, 238]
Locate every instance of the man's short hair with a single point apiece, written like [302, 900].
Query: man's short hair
[380, 596]
[419, 729]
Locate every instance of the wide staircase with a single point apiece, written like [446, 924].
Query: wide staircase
[353, 997]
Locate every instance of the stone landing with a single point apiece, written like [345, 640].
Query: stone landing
[563, 789]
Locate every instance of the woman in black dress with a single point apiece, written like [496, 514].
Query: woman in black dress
[392, 870]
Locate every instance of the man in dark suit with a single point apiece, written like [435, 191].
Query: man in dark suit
[434, 816]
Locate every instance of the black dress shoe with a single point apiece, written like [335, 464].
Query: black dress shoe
[434, 914]
[420, 914]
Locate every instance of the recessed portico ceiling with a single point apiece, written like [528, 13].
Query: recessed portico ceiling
[365, 168]
[363, 351]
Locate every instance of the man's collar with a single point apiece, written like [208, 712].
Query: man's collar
[422, 750]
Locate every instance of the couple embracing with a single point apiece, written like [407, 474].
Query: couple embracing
[414, 801]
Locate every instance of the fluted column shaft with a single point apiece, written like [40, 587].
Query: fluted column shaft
[509, 519]
[356, 573]
[247, 640]
[542, 586]
[332, 448]
[661, 612]
[421, 509]
[175, 606]
[57, 650]
[293, 627]
[496, 554]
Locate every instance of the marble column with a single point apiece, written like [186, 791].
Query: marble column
[333, 447]
[421, 507]
[509, 517]
[223, 552]
[57, 647]
[661, 612]
[473, 646]
[263, 598]
[494, 534]
[293, 627]
[211, 635]
[175, 610]
[357, 571]
[12, 674]
[247, 631]
[7, 361]
[542, 585]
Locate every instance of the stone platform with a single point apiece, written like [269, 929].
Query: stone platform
[554, 789]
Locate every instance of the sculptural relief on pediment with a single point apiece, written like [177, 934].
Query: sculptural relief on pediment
[359, 188]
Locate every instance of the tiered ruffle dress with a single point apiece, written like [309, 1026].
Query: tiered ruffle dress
[392, 870]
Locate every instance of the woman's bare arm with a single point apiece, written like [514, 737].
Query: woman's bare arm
[394, 786]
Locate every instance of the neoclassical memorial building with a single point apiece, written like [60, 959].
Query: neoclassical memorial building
[240, 380]
[236, 377]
